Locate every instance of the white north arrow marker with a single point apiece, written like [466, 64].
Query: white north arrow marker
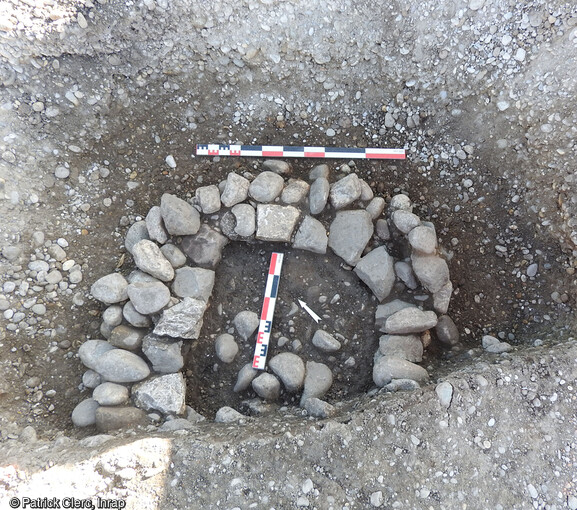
[315, 317]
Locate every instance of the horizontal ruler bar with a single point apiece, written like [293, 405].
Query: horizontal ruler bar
[289, 151]
[268, 305]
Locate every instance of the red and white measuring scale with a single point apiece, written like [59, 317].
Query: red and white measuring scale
[268, 305]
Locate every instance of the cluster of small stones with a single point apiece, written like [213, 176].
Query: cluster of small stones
[135, 373]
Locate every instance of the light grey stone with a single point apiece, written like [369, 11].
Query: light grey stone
[295, 192]
[442, 298]
[376, 270]
[54, 277]
[245, 217]
[163, 393]
[382, 229]
[164, 353]
[385, 310]
[138, 276]
[532, 270]
[317, 171]
[401, 385]
[266, 187]
[136, 233]
[325, 341]
[447, 331]
[56, 252]
[318, 408]
[176, 424]
[345, 191]
[91, 351]
[192, 415]
[195, 282]
[349, 234]
[84, 414]
[246, 323]
[112, 315]
[135, 318]
[235, 190]
[110, 289]
[431, 270]
[121, 366]
[228, 415]
[376, 207]
[174, 255]
[226, 348]
[499, 348]
[149, 258]
[290, 369]
[91, 379]
[126, 337]
[266, 386]
[149, 297]
[444, 391]
[318, 380]
[28, 435]
[401, 202]
[423, 239]
[11, 253]
[183, 320]
[276, 223]
[180, 218]
[410, 320]
[318, 195]
[489, 340]
[110, 394]
[311, 236]
[405, 221]
[366, 192]
[407, 347]
[155, 225]
[208, 198]
[115, 418]
[205, 248]
[277, 166]
[245, 377]
[404, 272]
[388, 368]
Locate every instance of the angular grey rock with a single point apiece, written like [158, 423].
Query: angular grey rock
[112, 315]
[84, 414]
[91, 351]
[176, 424]
[137, 232]
[277, 166]
[444, 391]
[121, 366]
[226, 348]
[91, 379]
[345, 191]
[311, 236]
[388, 368]
[382, 229]
[318, 195]
[126, 337]
[295, 192]
[376, 270]
[164, 354]
[410, 320]
[321, 170]
[115, 418]
[290, 369]
[432, 271]
[407, 347]
[208, 198]
[325, 341]
[180, 218]
[266, 386]
[447, 331]
[183, 320]
[318, 408]
[385, 310]
[110, 288]
[442, 298]
[228, 415]
[245, 217]
[405, 221]
[205, 248]
[266, 187]
[110, 394]
[135, 318]
[195, 282]
[349, 234]
[192, 415]
[149, 258]
[149, 297]
[155, 225]
[404, 272]
[163, 393]
[423, 239]
[376, 207]
[318, 380]
[276, 223]
[499, 348]
[174, 255]
[246, 323]
[245, 377]
[400, 202]
[489, 340]
[235, 190]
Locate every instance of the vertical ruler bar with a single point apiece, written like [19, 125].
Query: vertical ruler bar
[269, 302]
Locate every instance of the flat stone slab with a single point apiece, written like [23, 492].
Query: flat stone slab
[183, 320]
[410, 320]
[345, 191]
[349, 234]
[276, 223]
[205, 247]
[376, 270]
[311, 236]
[180, 218]
[164, 393]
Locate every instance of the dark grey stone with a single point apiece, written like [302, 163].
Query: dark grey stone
[149, 297]
[205, 248]
[126, 337]
[311, 236]
[376, 270]
[195, 282]
[137, 232]
[115, 418]
[164, 353]
[349, 234]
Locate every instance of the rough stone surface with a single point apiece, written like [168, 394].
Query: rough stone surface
[318, 380]
[349, 234]
[376, 207]
[277, 166]
[321, 170]
[442, 298]
[423, 239]
[92, 350]
[276, 222]
[325, 341]
[226, 348]
[164, 393]
[137, 232]
[382, 229]
[319, 408]
[388, 368]
[91, 379]
[401, 202]
[134, 317]
[235, 190]
[121, 366]
[384, 311]
[295, 192]
[155, 225]
[149, 258]
[447, 331]
[376, 270]
[208, 198]
[245, 217]
[84, 414]
[410, 320]
[126, 337]
[110, 289]
[311, 236]
[195, 282]
[290, 369]
[112, 315]
[228, 415]
[345, 191]
[110, 394]
[318, 195]
[148, 297]
[266, 187]
[174, 255]
[432, 271]
[444, 391]
[164, 353]
[407, 347]
[183, 320]
[245, 376]
[405, 273]
[266, 386]
[246, 323]
[115, 418]
[180, 218]
[205, 248]
[405, 221]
